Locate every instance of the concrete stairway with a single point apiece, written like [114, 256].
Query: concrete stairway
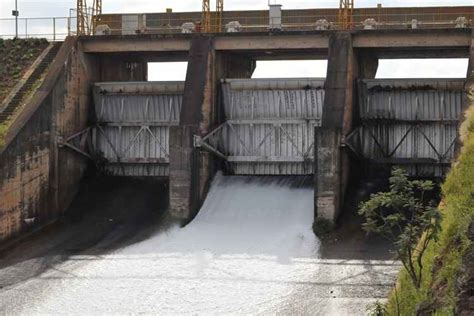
[21, 90]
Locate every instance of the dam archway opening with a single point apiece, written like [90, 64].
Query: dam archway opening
[422, 68]
[167, 71]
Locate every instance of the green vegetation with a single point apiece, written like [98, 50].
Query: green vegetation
[3, 132]
[16, 56]
[377, 309]
[402, 215]
[443, 259]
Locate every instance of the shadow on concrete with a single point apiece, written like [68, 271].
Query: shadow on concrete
[107, 213]
[349, 241]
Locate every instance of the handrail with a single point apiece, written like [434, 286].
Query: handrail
[57, 28]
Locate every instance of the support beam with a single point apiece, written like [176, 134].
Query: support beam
[190, 169]
[382, 43]
[331, 161]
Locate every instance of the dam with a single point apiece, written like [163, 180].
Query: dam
[200, 196]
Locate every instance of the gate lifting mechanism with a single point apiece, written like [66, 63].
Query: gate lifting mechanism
[88, 17]
[208, 23]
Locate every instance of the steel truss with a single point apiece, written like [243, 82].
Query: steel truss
[218, 140]
[385, 120]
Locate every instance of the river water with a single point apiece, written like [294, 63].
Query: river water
[250, 250]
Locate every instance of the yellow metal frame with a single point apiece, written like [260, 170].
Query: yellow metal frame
[219, 13]
[212, 21]
[345, 16]
[96, 12]
[206, 16]
[87, 19]
[82, 21]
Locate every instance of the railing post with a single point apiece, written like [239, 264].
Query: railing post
[54, 29]
[68, 26]
[26, 28]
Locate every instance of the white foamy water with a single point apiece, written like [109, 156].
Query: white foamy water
[248, 250]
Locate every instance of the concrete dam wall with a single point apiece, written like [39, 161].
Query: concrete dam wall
[37, 178]
[92, 111]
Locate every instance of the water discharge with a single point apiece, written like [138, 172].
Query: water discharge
[247, 251]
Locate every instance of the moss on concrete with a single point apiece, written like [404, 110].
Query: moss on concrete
[443, 259]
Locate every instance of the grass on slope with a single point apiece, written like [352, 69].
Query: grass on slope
[3, 132]
[16, 56]
[443, 259]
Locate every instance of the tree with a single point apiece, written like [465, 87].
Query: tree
[406, 217]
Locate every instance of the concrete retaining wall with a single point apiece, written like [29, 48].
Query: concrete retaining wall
[37, 179]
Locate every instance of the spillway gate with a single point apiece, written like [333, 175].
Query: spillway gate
[409, 122]
[133, 122]
[269, 126]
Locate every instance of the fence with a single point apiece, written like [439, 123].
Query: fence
[51, 28]
[57, 28]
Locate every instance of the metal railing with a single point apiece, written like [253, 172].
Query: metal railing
[51, 28]
[57, 28]
[159, 23]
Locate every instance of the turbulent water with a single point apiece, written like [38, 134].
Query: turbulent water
[247, 251]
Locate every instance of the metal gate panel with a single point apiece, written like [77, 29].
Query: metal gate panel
[133, 122]
[270, 125]
[411, 121]
[273, 99]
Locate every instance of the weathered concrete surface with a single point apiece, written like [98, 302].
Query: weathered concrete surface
[185, 160]
[331, 163]
[37, 180]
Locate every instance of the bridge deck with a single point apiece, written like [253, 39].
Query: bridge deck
[384, 43]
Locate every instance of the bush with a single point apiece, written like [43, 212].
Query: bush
[403, 215]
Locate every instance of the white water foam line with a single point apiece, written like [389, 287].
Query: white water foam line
[250, 250]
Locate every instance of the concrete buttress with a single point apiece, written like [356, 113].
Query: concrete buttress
[331, 161]
[188, 167]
